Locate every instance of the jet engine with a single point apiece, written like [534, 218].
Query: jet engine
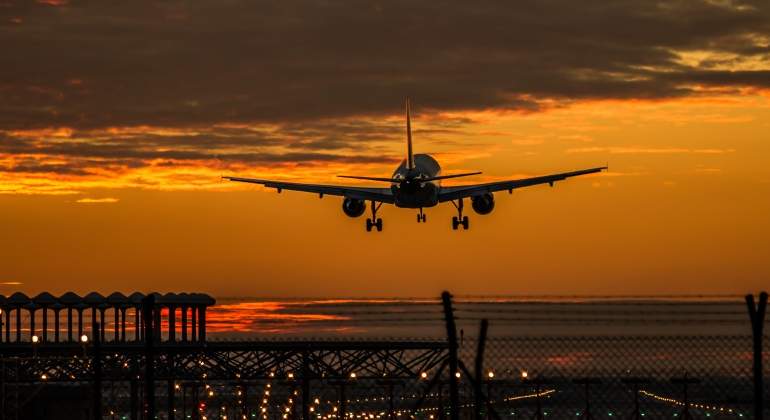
[483, 204]
[353, 207]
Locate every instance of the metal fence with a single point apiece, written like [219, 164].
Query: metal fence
[600, 360]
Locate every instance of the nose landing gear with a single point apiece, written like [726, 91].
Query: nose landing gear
[420, 216]
[374, 221]
[459, 219]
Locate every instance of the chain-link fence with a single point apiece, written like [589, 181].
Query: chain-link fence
[601, 359]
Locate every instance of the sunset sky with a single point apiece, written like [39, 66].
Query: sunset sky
[118, 119]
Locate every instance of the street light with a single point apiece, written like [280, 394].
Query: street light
[83, 342]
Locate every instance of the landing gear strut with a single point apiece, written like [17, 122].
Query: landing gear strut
[459, 219]
[374, 221]
[420, 216]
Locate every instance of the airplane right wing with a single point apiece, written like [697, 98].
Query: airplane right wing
[384, 195]
[454, 193]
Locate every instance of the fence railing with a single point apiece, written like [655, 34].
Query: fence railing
[577, 370]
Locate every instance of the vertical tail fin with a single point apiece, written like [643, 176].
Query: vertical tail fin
[409, 156]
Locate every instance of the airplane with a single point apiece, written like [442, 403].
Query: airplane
[416, 184]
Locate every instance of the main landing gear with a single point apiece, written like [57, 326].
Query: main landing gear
[459, 219]
[420, 216]
[374, 221]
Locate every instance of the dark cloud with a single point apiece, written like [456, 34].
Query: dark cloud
[97, 64]
[81, 157]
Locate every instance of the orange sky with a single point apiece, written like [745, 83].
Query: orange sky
[113, 140]
[683, 209]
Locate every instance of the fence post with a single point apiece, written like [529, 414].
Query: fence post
[757, 316]
[479, 368]
[97, 361]
[451, 331]
[148, 307]
[170, 388]
[305, 385]
[134, 399]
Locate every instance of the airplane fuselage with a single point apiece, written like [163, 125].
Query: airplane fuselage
[410, 192]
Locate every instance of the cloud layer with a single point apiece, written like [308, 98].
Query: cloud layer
[152, 84]
[86, 64]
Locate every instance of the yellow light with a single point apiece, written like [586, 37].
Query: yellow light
[316, 401]
[424, 375]
[44, 377]
[211, 393]
[35, 339]
[353, 375]
[176, 386]
[524, 374]
[491, 374]
[83, 338]
[457, 374]
[291, 375]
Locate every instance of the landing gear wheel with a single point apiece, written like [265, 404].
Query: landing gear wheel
[459, 219]
[374, 221]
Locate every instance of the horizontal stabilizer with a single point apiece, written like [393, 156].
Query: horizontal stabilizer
[436, 178]
[370, 178]
[393, 180]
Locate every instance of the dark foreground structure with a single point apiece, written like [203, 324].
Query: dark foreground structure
[147, 357]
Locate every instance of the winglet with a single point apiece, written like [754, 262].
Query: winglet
[409, 155]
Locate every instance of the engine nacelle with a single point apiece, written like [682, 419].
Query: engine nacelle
[483, 204]
[353, 207]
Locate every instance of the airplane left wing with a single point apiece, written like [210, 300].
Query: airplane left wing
[383, 195]
[454, 193]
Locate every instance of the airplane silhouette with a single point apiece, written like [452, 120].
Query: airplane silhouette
[416, 184]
